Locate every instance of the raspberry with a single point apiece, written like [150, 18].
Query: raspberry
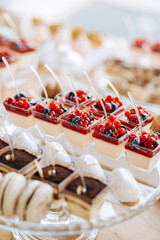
[112, 118]
[133, 118]
[108, 125]
[117, 124]
[109, 98]
[39, 108]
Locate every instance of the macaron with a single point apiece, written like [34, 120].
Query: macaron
[11, 186]
[35, 201]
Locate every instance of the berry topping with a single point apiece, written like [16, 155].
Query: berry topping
[82, 96]
[21, 46]
[132, 116]
[111, 104]
[83, 119]
[20, 101]
[112, 127]
[145, 140]
[40, 107]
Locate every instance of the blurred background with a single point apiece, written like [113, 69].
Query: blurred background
[116, 39]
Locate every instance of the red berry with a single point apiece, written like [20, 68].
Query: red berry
[72, 115]
[132, 136]
[140, 112]
[121, 131]
[52, 114]
[133, 118]
[109, 98]
[108, 107]
[84, 115]
[133, 111]
[39, 107]
[10, 100]
[20, 103]
[151, 140]
[26, 105]
[82, 99]
[108, 125]
[116, 99]
[60, 111]
[78, 112]
[127, 113]
[139, 108]
[112, 118]
[117, 124]
[144, 132]
[86, 122]
[120, 104]
[143, 138]
[101, 128]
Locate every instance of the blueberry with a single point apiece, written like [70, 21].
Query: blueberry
[145, 117]
[71, 95]
[91, 116]
[17, 46]
[109, 132]
[76, 120]
[114, 106]
[136, 141]
[64, 108]
[46, 111]
[33, 102]
[22, 95]
[16, 96]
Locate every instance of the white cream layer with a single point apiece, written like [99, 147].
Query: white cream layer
[50, 128]
[20, 120]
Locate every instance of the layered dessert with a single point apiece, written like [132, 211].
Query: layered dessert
[19, 110]
[131, 119]
[12, 61]
[77, 126]
[48, 115]
[110, 137]
[113, 105]
[69, 99]
[25, 151]
[143, 150]
[124, 186]
[85, 200]
[23, 51]
[57, 168]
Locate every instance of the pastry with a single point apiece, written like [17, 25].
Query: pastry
[77, 126]
[11, 187]
[19, 110]
[25, 152]
[48, 115]
[34, 202]
[110, 137]
[58, 168]
[124, 186]
[143, 150]
[86, 204]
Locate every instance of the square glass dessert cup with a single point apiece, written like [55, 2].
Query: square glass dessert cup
[76, 134]
[68, 98]
[111, 146]
[146, 118]
[50, 123]
[57, 176]
[85, 205]
[142, 157]
[19, 116]
[23, 161]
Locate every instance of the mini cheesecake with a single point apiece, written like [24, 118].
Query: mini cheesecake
[77, 127]
[12, 61]
[110, 137]
[113, 105]
[143, 150]
[69, 98]
[24, 53]
[19, 110]
[48, 115]
[131, 119]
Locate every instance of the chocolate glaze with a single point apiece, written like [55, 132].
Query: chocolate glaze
[94, 187]
[3, 144]
[22, 158]
[60, 175]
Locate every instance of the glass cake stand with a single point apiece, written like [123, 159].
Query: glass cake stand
[58, 226]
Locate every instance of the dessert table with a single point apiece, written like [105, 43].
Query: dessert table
[145, 226]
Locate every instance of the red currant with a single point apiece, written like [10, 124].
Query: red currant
[109, 98]
[39, 107]
[121, 131]
[112, 118]
[78, 112]
[108, 125]
[52, 114]
[127, 113]
[60, 111]
[117, 124]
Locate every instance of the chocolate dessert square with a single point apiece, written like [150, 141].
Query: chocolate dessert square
[85, 204]
[58, 176]
[21, 161]
[3, 144]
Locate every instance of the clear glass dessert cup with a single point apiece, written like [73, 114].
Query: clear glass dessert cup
[110, 146]
[141, 157]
